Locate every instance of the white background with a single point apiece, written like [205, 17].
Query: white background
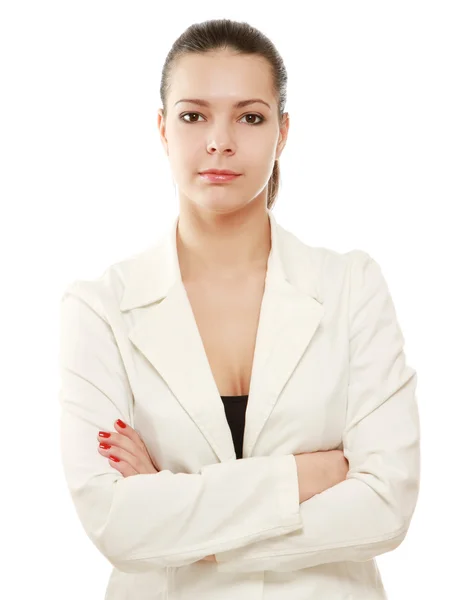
[377, 158]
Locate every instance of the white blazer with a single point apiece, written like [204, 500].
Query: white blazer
[329, 372]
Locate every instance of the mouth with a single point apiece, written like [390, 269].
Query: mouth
[219, 176]
[219, 172]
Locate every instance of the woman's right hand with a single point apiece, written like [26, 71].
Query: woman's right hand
[318, 471]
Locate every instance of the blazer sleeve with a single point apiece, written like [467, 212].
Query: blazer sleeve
[369, 512]
[164, 519]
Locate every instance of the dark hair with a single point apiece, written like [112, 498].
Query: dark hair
[242, 38]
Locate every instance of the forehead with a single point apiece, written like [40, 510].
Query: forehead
[221, 78]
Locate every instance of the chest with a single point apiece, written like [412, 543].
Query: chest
[276, 344]
[227, 317]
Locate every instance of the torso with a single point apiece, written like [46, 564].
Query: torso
[227, 316]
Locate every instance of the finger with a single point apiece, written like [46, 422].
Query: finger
[126, 430]
[122, 456]
[130, 433]
[120, 441]
[123, 467]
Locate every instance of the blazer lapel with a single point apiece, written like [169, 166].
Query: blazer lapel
[166, 333]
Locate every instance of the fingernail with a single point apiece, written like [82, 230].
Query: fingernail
[105, 446]
[104, 434]
[121, 423]
[114, 458]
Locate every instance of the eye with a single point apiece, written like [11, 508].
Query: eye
[261, 119]
[186, 114]
[253, 115]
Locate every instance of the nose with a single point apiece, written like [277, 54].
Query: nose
[220, 147]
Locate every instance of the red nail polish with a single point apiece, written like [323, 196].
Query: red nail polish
[104, 434]
[121, 423]
[105, 446]
[114, 458]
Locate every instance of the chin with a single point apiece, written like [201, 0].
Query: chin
[220, 202]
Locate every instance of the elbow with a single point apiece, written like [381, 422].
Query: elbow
[111, 542]
[119, 543]
[368, 551]
[125, 559]
[393, 518]
[133, 533]
[390, 503]
[107, 542]
[406, 515]
[132, 530]
[117, 532]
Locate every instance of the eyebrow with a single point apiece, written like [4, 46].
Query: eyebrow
[240, 104]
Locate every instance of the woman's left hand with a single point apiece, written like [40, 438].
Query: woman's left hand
[130, 452]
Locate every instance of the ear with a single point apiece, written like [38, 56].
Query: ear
[162, 128]
[283, 133]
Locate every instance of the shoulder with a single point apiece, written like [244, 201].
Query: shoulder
[104, 292]
[322, 256]
[332, 269]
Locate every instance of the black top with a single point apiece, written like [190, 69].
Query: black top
[235, 407]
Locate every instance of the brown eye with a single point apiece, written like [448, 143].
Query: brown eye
[255, 116]
[195, 114]
[189, 121]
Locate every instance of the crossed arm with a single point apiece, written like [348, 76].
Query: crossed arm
[127, 453]
[245, 513]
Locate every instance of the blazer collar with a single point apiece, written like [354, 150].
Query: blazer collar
[165, 332]
[150, 275]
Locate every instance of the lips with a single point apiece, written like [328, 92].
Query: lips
[218, 172]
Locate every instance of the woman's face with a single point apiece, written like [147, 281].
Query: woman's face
[245, 139]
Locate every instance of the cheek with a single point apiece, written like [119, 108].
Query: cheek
[258, 163]
[257, 151]
[187, 150]
[184, 161]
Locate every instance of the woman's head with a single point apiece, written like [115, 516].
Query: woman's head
[224, 62]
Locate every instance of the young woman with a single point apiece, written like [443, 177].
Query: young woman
[238, 416]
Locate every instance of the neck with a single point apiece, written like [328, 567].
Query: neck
[223, 246]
